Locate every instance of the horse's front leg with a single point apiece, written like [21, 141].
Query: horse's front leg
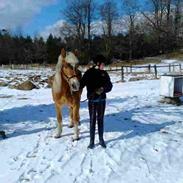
[59, 121]
[71, 123]
[76, 121]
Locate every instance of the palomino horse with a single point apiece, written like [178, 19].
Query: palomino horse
[65, 90]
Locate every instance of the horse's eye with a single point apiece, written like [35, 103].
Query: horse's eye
[65, 66]
[71, 66]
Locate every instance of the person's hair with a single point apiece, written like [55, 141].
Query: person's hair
[99, 59]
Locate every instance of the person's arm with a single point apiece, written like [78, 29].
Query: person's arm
[84, 80]
[106, 87]
[108, 84]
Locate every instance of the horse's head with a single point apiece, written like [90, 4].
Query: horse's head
[69, 69]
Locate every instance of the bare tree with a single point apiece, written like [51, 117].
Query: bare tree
[165, 21]
[79, 14]
[90, 8]
[73, 14]
[130, 7]
[67, 30]
[178, 20]
[155, 19]
[109, 14]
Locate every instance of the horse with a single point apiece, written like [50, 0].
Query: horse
[66, 91]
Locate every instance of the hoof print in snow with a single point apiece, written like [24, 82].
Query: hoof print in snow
[163, 131]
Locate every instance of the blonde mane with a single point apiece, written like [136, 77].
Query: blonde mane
[71, 59]
[57, 78]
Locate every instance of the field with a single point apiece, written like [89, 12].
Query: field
[144, 137]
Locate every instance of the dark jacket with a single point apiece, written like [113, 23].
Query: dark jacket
[94, 79]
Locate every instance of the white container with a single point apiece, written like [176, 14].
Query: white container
[171, 85]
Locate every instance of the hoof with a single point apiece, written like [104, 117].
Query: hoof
[75, 139]
[71, 126]
[57, 136]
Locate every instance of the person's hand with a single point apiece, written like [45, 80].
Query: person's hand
[99, 91]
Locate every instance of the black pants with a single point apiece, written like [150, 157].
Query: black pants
[96, 112]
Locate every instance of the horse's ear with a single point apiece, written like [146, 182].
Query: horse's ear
[63, 52]
[76, 52]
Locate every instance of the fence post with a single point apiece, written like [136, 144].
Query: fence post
[149, 68]
[122, 74]
[155, 71]
[173, 68]
[169, 67]
[130, 68]
[180, 67]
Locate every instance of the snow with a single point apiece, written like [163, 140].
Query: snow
[144, 138]
[171, 61]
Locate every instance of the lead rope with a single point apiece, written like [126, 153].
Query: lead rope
[88, 97]
[84, 100]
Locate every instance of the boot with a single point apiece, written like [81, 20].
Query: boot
[91, 145]
[102, 143]
[92, 137]
[100, 133]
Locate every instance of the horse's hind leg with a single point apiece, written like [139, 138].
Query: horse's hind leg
[76, 121]
[59, 121]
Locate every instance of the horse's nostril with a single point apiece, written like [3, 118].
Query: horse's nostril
[73, 86]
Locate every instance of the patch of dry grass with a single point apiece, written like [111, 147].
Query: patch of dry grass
[144, 61]
[175, 55]
[150, 60]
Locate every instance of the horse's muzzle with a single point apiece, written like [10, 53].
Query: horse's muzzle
[74, 84]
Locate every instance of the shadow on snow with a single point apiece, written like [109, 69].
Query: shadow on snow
[121, 121]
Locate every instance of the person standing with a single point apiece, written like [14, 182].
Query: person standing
[98, 83]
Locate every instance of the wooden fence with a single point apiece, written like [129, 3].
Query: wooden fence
[25, 66]
[149, 69]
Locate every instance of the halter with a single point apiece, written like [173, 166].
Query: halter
[66, 77]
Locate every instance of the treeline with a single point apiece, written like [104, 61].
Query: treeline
[136, 30]
[25, 50]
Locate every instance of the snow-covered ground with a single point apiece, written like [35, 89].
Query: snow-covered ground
[144, 139]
